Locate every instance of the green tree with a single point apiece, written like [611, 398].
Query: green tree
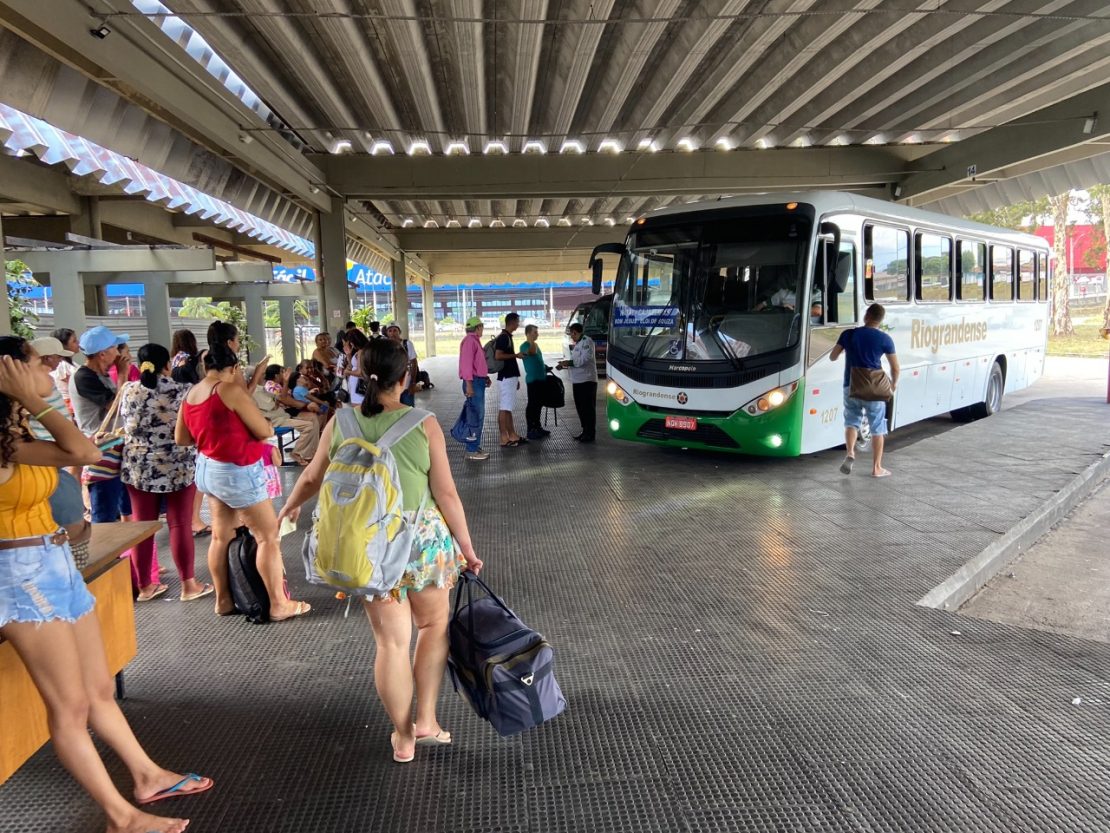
[1098, 209]
[1021, 216]
[200, 308]
[20, 284]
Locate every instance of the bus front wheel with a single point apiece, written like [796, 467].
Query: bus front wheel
[993, 403]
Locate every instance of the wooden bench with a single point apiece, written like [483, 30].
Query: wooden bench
[23, 728]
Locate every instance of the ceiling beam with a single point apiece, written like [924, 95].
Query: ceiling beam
[45, 188]
[597, 174]
[141, 63]
[425, 241]
[1050, 136]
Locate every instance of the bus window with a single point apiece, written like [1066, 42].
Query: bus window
[841, 295]
[1042, 276]
[887, 267]
[971, 271]
[1002, 273]
[933, 265]
[1027, 277]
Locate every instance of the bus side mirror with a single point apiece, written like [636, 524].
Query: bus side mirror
[595, 262]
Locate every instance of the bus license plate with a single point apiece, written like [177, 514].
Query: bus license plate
[682, 423]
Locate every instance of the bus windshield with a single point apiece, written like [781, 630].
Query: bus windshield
[720, 290]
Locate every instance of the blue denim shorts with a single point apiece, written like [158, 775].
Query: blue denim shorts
[40, 583]
[856, 409]
[67, 504]
[239, 487]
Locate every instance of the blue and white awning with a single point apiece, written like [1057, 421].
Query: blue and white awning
[20, 132]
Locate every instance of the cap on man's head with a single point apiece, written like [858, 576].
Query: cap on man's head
[101, 338]
[50, 346]
[396, 327]
[473, 322]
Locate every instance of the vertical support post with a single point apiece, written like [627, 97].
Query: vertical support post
[288, 331]
[331, 266]
[401, 294]
[68, 293]
[158, 327]
[256, 323]
[101, 300]
[5, 308]
[428, 301]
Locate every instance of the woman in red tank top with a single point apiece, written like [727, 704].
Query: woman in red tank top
[220, 418]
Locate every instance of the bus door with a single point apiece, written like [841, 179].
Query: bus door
[839, 310]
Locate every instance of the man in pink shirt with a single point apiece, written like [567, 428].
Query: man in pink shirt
[475, 381]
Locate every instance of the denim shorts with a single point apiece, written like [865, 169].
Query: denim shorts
[238, 487]
[40, 583]
[856, 409]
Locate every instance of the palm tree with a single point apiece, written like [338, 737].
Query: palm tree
[201, 308]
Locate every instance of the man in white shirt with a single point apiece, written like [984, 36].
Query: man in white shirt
[393, 332]
[583, 379]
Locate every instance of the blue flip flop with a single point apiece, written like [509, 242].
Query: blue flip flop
[176, 790]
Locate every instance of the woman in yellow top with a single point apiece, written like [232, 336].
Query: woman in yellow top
[441, 549]
[45, 606]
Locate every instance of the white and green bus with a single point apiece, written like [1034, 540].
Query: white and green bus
[725, 313]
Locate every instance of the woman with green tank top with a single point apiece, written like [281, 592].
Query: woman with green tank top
[442, 550]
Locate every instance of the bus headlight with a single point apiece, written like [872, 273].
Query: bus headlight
[771, 400]
[618, 393]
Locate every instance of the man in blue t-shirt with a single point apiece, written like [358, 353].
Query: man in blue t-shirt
[866, 347]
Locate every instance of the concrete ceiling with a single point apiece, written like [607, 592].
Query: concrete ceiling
[929, 101]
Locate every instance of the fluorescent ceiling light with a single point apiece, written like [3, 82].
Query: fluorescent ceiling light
[457, 147]
[586, 221]
[572, 146]
[543, 222]
[431, 224]
[534, 146]
[877, 139]
[610, 146]
[649, 145]
[563, 221]
[724, 143]
[630, 220]
[453, 223]
[341, 146]
[419, 146]
[474, 223]
[520, 223]
[497, 222]
[495, 147]
[609, 221]
[801, 142]
[687, 144]
[765, 143]
[912, 139]
[381, 146]
[407, 223]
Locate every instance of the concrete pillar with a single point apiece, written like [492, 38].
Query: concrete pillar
[256, 322]
[401, 294]
[428, 301]
[68, 294]
[158, 326]
[288, 331]
[91, 302]
[5, 309]
[101, 300]
[96, 231]
[331, 267]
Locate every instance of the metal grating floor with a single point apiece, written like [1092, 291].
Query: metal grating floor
[737, 640]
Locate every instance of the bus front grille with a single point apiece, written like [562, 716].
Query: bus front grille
[656, 429]
[726, 379]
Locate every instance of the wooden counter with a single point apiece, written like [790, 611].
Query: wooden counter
[22, 714]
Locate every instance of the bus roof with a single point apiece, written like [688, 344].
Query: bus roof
[826, 202]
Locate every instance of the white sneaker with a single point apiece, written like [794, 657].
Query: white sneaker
[470, 438]
[478, 455]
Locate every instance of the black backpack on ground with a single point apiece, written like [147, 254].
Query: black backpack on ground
[248, 591]
[553, 394]
[504, 669]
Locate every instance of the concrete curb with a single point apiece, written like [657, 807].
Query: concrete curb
[951, 593]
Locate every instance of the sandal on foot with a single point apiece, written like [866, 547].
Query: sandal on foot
[204, 591]
[846, 466]
[200, 533]
[396, 757]
[179, 790]
[441, 738]
[302, 609]
[158, 591]
[510, 444]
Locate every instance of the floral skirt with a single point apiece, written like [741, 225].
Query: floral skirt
[436, 560]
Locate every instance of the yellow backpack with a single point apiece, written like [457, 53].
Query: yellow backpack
[360, 540]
